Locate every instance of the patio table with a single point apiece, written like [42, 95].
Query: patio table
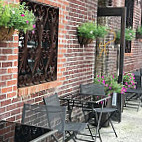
[18, 132]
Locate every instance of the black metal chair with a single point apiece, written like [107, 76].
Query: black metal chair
[96, 113]
[75, 127]
[36, 115]
[134, 96]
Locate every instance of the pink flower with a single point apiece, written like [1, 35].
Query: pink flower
[34, 26]
[33, 32]
[98, 80]
[103, 81]
[130, 78]
[106, 85]
[110, 88]
[113, 76]
[133, 77]
[102, 76]
[129, 86]
[27, 22]
[97, 75]
[22, 15]
[126, 83]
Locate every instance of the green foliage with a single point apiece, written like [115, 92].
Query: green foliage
[101, 31]
[16, 16]
[139, 30]
[91, 30]
[4, 15]
[110, 83]
[129, 34]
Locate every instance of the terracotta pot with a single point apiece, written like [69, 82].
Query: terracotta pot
[84, 40]
[6, 33]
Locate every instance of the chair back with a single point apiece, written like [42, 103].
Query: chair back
[52, 100]
[56, 117]
[92, 89]
[45, 116]
[35, 115]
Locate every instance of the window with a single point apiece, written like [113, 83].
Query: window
[129, 21]
[38, 51]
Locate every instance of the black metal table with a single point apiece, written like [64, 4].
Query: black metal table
[17, 132]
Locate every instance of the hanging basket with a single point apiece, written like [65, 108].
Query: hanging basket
[6, 33]
[84, 40]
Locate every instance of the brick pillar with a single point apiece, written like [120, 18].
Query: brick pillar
[8, 69]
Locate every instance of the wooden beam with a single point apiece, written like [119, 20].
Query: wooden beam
[110, 11]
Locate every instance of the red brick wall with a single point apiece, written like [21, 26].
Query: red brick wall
[133, 60]
[75, 63]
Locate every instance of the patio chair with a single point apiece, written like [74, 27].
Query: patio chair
[36, 115]
[75, 127]
[97, 90]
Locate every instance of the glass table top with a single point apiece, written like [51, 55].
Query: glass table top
[16, 132]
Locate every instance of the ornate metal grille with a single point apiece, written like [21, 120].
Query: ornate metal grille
[38, 50]
[129, 21]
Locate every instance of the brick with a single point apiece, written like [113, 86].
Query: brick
[7, 51]
[6, 77]
[2, 84]
[7, 89]
[12, 82]
[7, 64]
[3, 58]
[16, 111]
[10, 95]
[2, 71]
[12, 57]
[12, 70]
[6, 102]
[2, 97]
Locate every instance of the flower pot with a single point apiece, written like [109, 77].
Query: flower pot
[84, 40]
[138, 36]
[6, 33]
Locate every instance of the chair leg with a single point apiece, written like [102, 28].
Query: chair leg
[55, 138]
[99, 135]
[113, 128]
[90, 132]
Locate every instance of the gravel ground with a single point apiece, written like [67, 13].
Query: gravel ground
[129, 130]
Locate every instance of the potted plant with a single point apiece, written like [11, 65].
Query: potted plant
[139, 33]
[111, 86]
[14, 17]
[88, 31]
[110, 83]
[128, 81]
[129, 35]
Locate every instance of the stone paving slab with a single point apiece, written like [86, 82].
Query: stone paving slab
[129, 130]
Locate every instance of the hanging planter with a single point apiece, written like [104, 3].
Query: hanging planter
[15, 17]
[84, 40]
[89, 31]
[130, 34]
[6, 33]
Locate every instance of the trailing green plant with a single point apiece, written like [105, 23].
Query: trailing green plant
[139, 30]
[16, 17]
[92, 30]
[129, 34]
[110, 83]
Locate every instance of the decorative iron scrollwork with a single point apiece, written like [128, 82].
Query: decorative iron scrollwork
[38, 50]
